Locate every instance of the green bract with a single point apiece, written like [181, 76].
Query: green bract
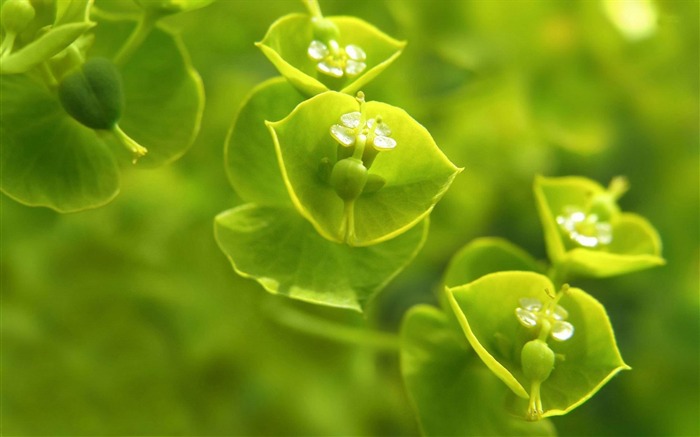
[451, 391]
[288, 44]
[251, 161]
[415, 172]
[487, 255]
[49, 159]
[586, 234]
[282, 251]
[486, 309]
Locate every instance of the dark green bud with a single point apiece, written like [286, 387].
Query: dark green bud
[348, 178]
[93, 95]
[537, 360]
[16, 15]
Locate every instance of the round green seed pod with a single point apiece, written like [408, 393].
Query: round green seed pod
[324, 29]
[93, 95]
[604, 205]
[537, 360]
[348, 178]
[16, 15]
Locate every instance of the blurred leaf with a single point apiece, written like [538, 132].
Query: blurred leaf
[486, 310]
[251, 161]
[413, 185]
[454, 394]
[287, 41]
[43, 48]
[49, 159]
[282, 251]
[172, 6]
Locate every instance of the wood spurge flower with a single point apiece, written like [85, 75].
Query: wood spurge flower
[336, 61]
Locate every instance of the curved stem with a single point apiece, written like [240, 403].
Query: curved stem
[559, 275]
[135, 148]
[7, 43]
[139, 34]
[47, 75]
[313, 8]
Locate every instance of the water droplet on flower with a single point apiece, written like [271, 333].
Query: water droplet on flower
[384, 143]
[317, 50]
[343, 135]
[562, 330]
[351, 119]
[353, 68]
[530, 303]
[355, 53]
[330, 69]
[526, 318]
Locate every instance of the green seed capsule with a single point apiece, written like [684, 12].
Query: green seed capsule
[324, 29]
[16, 15]
[93, 95]
[348, 178]
[537, 360]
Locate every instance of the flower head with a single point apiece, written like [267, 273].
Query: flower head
[584, 229]
[532, 313]
[352, 124]
[336, 61]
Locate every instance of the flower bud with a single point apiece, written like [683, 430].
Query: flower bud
[348, 178]
[16, 15]
[93, 95]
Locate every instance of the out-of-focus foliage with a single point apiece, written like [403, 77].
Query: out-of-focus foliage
[129, 320]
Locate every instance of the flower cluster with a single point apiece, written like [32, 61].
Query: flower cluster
[585, 229]
[532, 313]
[337, 61]
[377, 132]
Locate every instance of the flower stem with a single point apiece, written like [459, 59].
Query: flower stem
[313, 8]
[7, 43]
[143, 29]
[135, 148]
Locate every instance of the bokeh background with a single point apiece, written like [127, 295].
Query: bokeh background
[128, 320]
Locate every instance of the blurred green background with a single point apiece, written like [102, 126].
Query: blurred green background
[128, 320]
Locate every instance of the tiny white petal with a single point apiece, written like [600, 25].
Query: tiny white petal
[604, 231]
[584, 240]
[351, 119]
[382, 129]
[562, 330]
[355, 53]
[317, 50]
[353, 68]
[560, 313]
[384, 143]
[526, 318]
[329, 69]
[343, 135]
[530, 303]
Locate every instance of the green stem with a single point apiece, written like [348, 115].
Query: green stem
[313, 8]
[7, 43]
[317, 326]
[559, 275]
[135, 148]
[47, 75]
[142, 30]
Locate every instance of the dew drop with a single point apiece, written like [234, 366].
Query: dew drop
[355, 53]
[317, 50]
[343, 135]
[351, 119]
[562, 330]
[526, 318]
[384, 143]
